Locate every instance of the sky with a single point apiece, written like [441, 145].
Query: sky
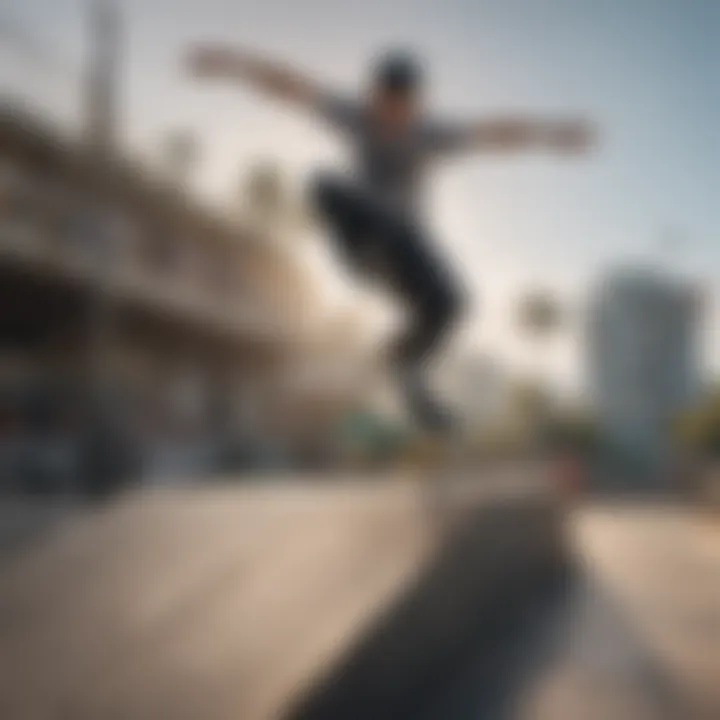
[645, 71]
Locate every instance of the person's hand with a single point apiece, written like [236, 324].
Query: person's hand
[208, 61]
[572, 136]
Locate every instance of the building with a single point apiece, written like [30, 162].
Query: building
[123, 299]
[642, 359]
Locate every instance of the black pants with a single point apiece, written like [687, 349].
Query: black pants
[370, 237]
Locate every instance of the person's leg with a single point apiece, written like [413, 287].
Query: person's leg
[411, 269]
[355, 224]
[435, 303]
[433, 316]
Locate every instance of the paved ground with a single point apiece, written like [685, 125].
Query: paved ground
[125, 615]
[24, 520]
[204, 603]
[636, 637]
[175, 576]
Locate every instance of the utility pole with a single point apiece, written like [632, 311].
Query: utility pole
[100, 135]
[101, 126]
[101, 108]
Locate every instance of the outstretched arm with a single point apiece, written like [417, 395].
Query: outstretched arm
[516, 134]
[215, 62]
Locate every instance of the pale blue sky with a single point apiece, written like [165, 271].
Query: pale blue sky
[644, 70]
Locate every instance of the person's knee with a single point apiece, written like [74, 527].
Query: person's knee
[327, 193]
[448, 306]
[436, 318]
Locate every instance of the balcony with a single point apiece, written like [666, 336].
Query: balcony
[201, 289]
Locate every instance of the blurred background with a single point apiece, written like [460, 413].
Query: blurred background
[170, 312]
[160, 266]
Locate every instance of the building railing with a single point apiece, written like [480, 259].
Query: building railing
[218, 295]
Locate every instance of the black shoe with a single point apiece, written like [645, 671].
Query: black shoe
[430, 415]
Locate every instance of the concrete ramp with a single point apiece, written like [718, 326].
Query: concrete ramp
[280, 600]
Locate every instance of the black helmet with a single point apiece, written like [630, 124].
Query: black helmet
[398, 71]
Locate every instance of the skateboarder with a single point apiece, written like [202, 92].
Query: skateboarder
[375, 213]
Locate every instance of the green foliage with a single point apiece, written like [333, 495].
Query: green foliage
[573, 430]
[539, 416]
[370, 438]
[530, 401]
[698, 429]
[539, 313]
[269, 198]
[265, 187]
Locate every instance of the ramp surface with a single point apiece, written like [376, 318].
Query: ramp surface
[262, 601]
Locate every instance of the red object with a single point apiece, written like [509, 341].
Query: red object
[571, 476]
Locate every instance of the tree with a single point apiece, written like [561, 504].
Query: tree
[538, 317]
[574, 430]
[531, 403]
[180, 155]
[698, 429]
[539, 314]
[264, 189]
[268, 202]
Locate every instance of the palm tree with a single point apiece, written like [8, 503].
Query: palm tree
[539, 317]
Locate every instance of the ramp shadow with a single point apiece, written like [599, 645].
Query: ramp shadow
[495, 563]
